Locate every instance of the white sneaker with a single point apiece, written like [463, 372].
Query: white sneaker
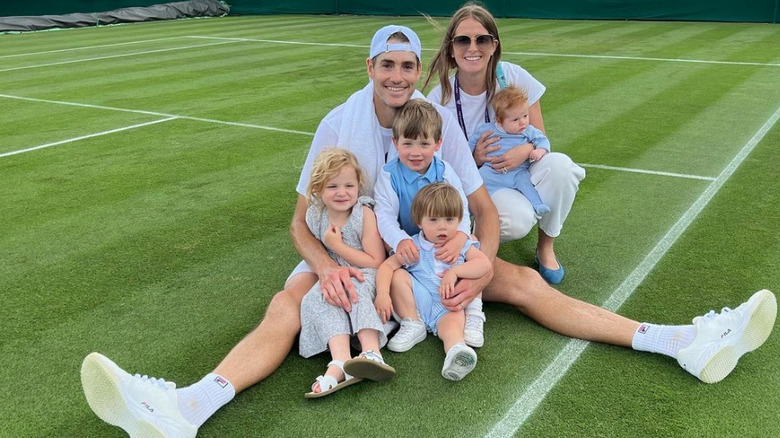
[410, 334]
[460, 361]
[144, 407]
[473, 333]
[721, 339]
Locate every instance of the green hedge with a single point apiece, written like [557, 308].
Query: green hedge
[690, 10]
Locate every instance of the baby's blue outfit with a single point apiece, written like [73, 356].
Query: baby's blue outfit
[520, 178]
[426, 281]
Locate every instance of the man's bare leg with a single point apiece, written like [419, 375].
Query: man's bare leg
[525, 289]
[264, 349]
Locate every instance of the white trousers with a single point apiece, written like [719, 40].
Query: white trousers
[557, 179]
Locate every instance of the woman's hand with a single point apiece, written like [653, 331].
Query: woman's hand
[513, 158]
[485, 146]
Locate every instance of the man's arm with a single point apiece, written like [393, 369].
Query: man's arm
[486, 226]
[337, 288]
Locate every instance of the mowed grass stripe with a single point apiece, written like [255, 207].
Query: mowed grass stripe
[533, 396]
[689, 280]
[159, 328]
[115, 227]
[164, 318]
[153, 83]
[112, 56]
[656, 107]
[113, 46]
[22, 128]
[85, 136]
[90, 180]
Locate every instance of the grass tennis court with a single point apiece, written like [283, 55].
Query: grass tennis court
[147, 177]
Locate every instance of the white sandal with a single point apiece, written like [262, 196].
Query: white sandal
[329, 384]
[370, 365]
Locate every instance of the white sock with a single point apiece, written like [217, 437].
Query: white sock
[475, 308]
[198, 402]
[664, 339]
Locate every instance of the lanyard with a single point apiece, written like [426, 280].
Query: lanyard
[460, 109]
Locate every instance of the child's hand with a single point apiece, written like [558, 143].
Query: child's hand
[384, 306]
[537, 154]
[407, 252]
[447, 287]
[332, 237]
[449, 251]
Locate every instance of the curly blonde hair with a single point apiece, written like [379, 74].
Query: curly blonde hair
[326, 166]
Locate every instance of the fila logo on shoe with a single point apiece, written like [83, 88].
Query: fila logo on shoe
[726, 333]
[147, 406]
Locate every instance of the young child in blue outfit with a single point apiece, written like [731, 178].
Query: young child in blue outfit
[417, 136]
[437, 209]
[511, 125]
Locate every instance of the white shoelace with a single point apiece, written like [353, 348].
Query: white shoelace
[712, 314]
[405, 332]
[155, 381]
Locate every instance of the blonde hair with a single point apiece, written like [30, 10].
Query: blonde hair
[327, 166]
[437, 200]
[417, 119]
[444, 61]
[506, 99]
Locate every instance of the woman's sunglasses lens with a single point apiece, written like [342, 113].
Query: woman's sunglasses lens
[483, 41]
[462, 40]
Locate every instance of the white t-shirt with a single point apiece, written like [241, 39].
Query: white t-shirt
[454, 150]
[473, 107]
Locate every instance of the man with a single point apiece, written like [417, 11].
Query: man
[149, 407]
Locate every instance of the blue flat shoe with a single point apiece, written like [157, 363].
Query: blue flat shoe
[552, 276]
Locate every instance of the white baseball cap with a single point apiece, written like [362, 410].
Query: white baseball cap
[379, 43]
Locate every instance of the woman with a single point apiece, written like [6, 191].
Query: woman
[472, 48]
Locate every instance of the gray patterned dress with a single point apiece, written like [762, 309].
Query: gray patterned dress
[320, 321]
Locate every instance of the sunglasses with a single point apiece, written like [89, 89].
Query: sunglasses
[484, 42]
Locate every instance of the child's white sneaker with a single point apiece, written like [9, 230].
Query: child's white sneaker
[410, 334]
[144, 407]
[473, 333]
[721, 339]
[459, 362]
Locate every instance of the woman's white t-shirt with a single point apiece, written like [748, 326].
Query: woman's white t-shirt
[473, 107]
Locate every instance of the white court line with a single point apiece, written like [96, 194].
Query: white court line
[564, 55]
[650, 172]
[298, 43]
[120, 55]
[311, 134]
[154, 113]
[527, 403]
[644, 58]
[83, 137]
[16, 55]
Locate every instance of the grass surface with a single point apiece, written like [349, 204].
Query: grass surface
[162, 243]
